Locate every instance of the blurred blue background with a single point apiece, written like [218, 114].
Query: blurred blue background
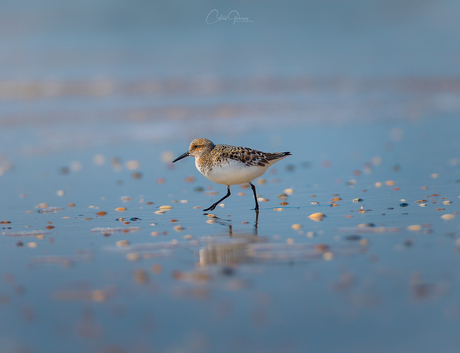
[77, 73]
[79, 40]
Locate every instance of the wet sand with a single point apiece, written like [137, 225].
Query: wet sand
[91, 260]
[105, 247]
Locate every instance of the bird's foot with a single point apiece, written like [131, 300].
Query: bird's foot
[210, 208]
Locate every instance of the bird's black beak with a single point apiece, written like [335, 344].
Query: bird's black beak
[186, 154]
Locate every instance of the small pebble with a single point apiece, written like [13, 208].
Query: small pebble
[141, 277]
[132, 256]
[122, 243]
[165, 207]
[434, 175]
[310, 234]
[60, 193]
[98, 295]
[448, 216]
[120, 209]
[328, 256]
[318, 216]
[71, 205]
[32, 245]
[320, 248]
[156, 268]
[178, 228]
[289, 191]
[188, 237]
[357, 200]
[314, 203]
[155, 234]
[296, 226]
[390, 182]
[378, 184]
[415, 228]
[290, 241]
[447, 202]
[101, 213]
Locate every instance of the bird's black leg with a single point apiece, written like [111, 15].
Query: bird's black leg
[255, 196]
[214, 205]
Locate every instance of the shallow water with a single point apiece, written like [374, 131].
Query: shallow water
[97, 97]
[227, 283]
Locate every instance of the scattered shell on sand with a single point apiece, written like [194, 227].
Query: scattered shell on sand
[414, 228]
[132, 256]
[358, 200]
[378, 184]
[314, 203]
[390, 182]
[32, 245]
[120, 209]
[448, 216]
[178, 228]
[278, 209]
[122, 243]
[289, 191]
[320, 248]
[328, 256]
[165, 207]
[447, 202]
[290, 241]
[296, 226]
[101, 213]
[318, 216]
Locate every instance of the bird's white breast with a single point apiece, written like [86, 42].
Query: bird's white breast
[232, 172]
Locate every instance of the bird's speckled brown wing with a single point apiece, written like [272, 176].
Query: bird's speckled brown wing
[246, 155]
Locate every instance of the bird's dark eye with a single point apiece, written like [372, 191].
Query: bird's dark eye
[194, 146]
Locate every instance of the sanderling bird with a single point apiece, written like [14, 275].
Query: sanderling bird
[230, 165]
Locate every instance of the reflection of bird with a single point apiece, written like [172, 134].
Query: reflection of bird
[230, 165]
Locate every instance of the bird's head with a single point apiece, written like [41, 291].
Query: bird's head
[197, 148]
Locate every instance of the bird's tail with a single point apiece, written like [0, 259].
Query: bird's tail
[276, 156]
